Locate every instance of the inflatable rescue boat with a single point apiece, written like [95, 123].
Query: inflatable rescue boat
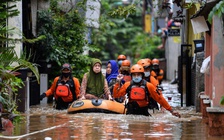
[96, 105]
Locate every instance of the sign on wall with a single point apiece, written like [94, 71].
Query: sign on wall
[173, 32]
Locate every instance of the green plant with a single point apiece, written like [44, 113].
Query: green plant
[147, 43]
[65, 38]
[117, 28]
[218, 10]
[9, 82]
[222, 100]
[10, 62]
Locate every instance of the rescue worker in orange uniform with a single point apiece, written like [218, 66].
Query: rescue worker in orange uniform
[125, 71]
[120, 58]
[156, 71]
[65, 88]
[146, 65]
[139, 91]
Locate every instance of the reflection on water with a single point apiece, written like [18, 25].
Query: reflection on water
[43, 122]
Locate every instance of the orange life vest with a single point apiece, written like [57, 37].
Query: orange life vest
[139, 94]
[127, 78]
[65, 90]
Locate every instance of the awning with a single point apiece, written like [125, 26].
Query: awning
[205, 10]
[198, 20]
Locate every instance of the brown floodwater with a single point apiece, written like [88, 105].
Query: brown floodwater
[42, 122]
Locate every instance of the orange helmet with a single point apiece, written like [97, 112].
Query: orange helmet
[137, 68]
[148, 60]
[143, 62]
[126, 63]
[121, 57]
[155, 61]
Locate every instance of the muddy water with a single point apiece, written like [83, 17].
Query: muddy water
[41, 122]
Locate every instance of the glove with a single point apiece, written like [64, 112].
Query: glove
[43, 95]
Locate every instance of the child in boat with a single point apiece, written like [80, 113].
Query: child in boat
[94, 84]
[65, 88]
[139, 91]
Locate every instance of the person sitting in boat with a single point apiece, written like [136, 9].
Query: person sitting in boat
[111, 74]
[65, 88]
[94, 84]
[138, 92]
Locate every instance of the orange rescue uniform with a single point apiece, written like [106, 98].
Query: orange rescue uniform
[153, 91]
[52, 89]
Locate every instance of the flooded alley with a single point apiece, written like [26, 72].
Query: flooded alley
[43, 122]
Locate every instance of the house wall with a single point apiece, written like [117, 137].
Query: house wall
[217, 62]
[172, 53]
[207, 80]
[17, 23]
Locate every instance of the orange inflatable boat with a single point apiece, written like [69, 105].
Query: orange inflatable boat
[96, 105]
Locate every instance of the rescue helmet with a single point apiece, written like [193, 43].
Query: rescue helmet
[148, 60]
[137, 68]
[144, 63]
[121, 57]
[155, 61]
[141, 62]
[66, 66]
[126, 63]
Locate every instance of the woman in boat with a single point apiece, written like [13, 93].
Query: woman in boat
[139, 91]
[111, 74]
[94, 84]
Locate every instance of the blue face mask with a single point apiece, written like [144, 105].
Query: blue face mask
[147, 74]
[137, 79]
[119, 62]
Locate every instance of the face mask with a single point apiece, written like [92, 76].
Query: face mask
[137, 79]
[147, 74]
[155, 67]
[66, 75]
[119, 62]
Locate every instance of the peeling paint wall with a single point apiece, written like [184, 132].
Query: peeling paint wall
[217, 61]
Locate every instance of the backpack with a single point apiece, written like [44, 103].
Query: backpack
[137, 96]
[69, 84]
[152, 103]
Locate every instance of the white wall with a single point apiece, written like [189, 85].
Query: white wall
[172, 51]
[16, 22]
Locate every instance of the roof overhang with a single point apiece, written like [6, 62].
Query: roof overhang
[205, 9]
[198, 20]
